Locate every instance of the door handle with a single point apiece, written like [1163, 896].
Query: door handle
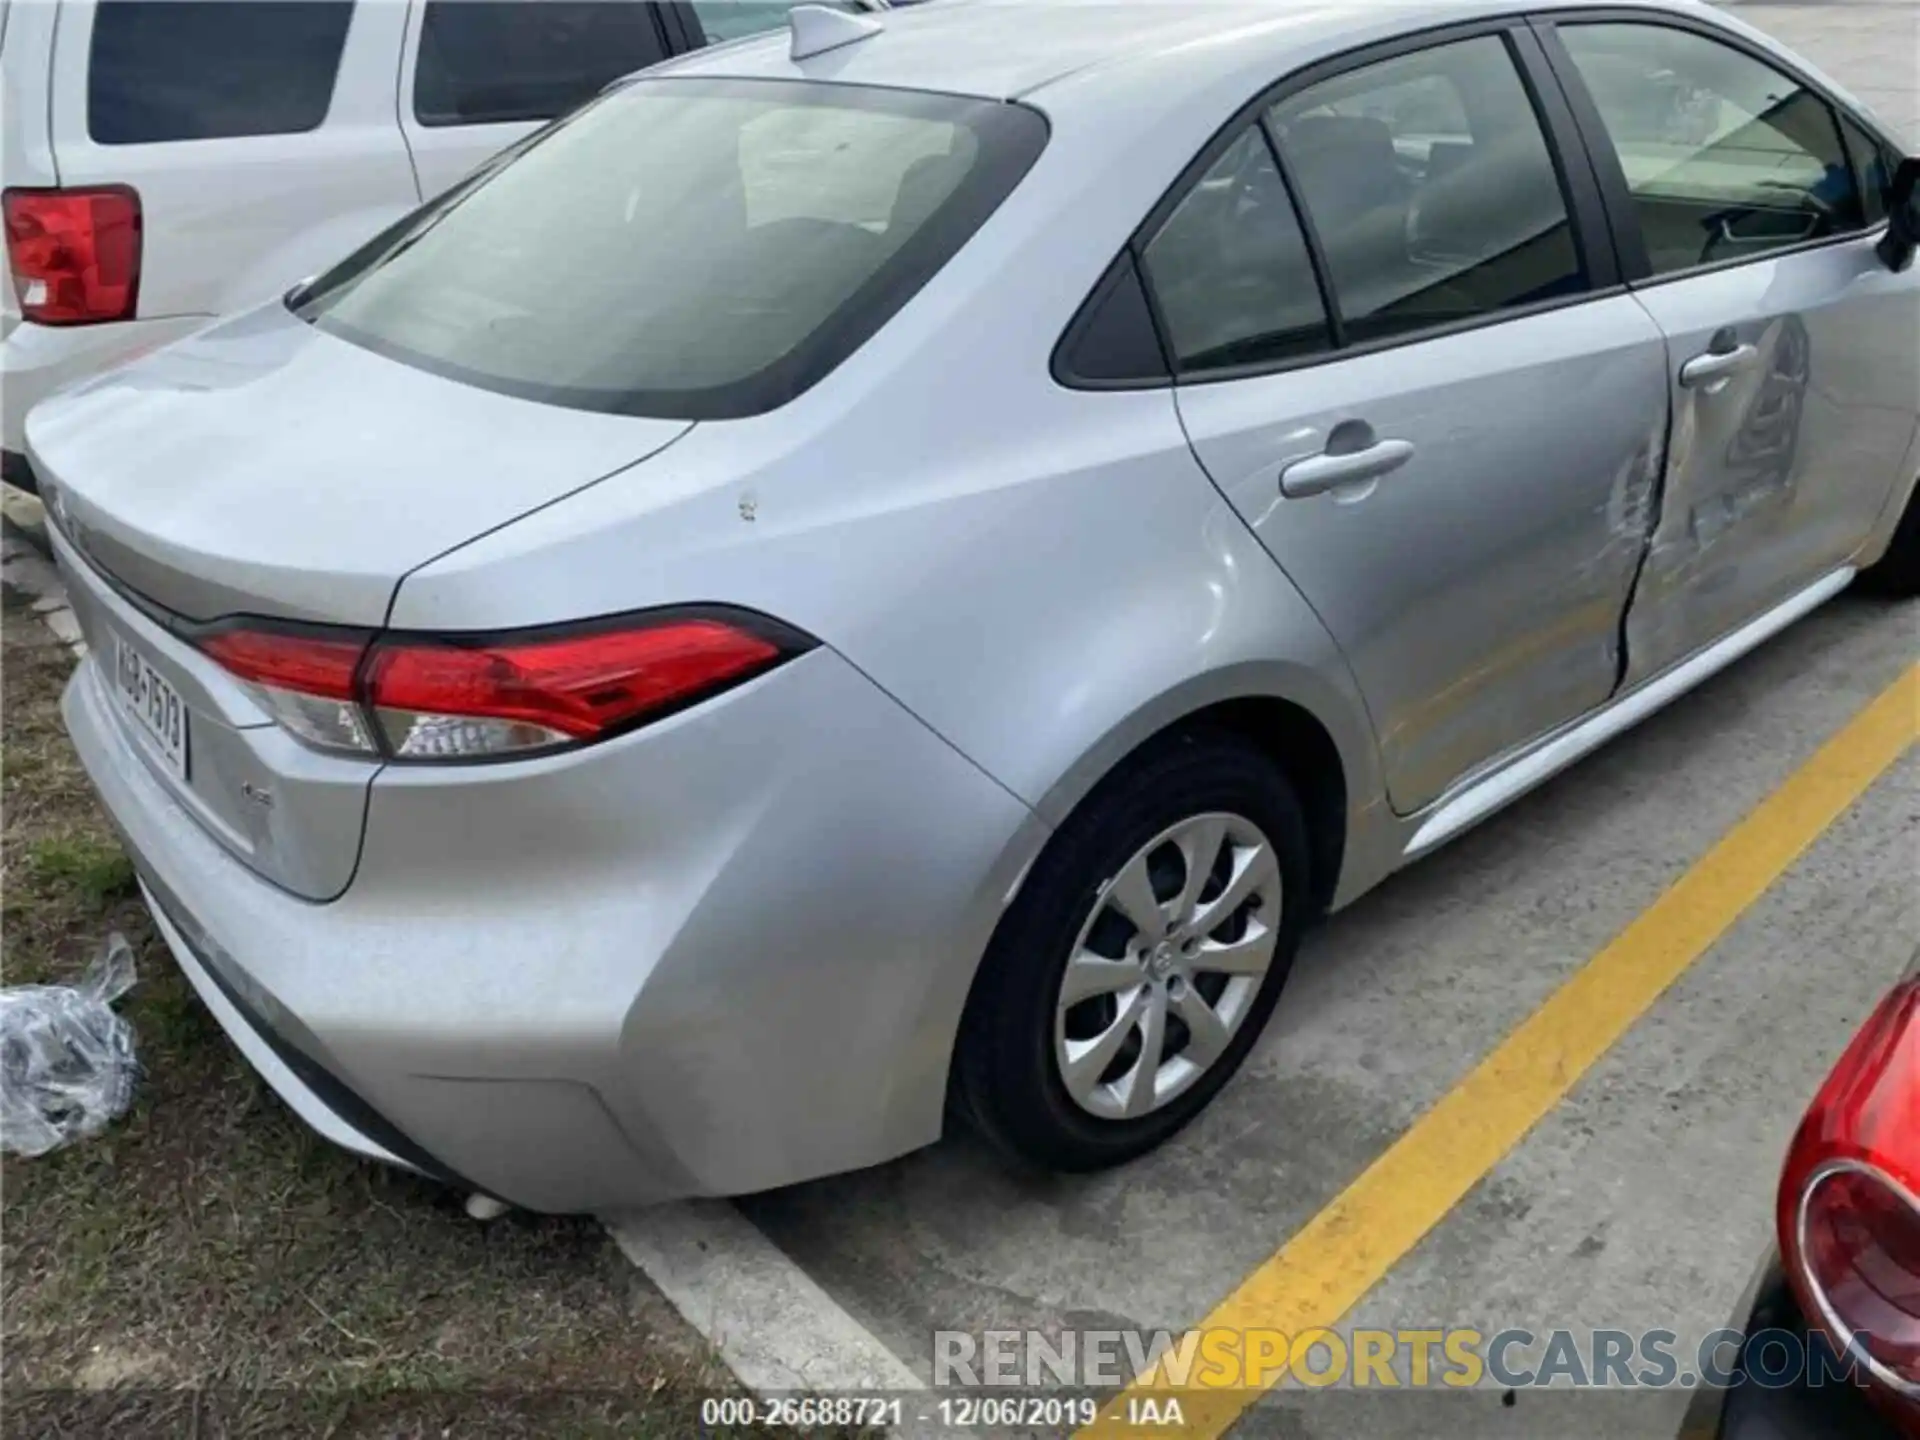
[1319, 473]
[1714, 365]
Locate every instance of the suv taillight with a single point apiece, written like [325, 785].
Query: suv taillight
[469, 697]
[75, 254]
[1849, 1210]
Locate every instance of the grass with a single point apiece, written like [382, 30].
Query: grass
[208, 1266]
[96, 874]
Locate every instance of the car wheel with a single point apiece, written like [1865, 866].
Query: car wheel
[1142, 956]
[1897, 573]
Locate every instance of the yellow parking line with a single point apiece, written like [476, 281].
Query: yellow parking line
[1324, 1270]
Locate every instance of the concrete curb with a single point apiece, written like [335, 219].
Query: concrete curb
[25, 568]
[25, 515]
[773, 1325]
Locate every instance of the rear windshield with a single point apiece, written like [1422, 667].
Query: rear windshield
[690, 249]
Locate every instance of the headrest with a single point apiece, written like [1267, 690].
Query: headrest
[1346, 164]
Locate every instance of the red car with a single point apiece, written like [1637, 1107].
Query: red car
[1831, 1343]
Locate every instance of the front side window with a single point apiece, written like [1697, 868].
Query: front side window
[1231, 270]
[490, 61]
[1431, 189]
[1726, 158]
[209, 69]
[686, 248]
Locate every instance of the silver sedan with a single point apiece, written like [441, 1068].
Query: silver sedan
[891, 570]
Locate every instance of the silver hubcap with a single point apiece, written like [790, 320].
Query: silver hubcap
[1167, 966]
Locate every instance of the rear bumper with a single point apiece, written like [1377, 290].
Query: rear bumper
[291, 1074]
[724, 953]
[37, 360]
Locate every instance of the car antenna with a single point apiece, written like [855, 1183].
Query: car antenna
[818, 28]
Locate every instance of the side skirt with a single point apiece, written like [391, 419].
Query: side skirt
[1511, 779]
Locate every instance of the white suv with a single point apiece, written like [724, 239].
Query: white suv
[168, 161]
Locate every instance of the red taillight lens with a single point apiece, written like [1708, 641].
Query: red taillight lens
[580, 686]
[441, 700]
[319, 666]
[75, 254]
[304, 679]
[463, 698]
[1849, 1212]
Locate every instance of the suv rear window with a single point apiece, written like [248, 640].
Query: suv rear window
[722, 20]
[207, 69]
[684, 248]
[487, 61]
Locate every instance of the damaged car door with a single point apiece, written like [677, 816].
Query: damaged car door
[1455, 457]
[1747, 207]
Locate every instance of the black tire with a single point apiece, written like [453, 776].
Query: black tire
[1005, 1078]
[1896, 574]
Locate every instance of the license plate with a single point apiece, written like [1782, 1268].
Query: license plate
[154, 705]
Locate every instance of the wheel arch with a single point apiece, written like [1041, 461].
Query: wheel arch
[1902, 501]
[1276, 723]
[1311, 723]
[1294, 739]
[1315, 733]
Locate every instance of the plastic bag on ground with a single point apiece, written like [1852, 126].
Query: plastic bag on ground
[67, 1066]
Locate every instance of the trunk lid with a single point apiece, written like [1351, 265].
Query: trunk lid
[263, 468]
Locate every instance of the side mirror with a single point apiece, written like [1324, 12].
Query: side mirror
[1903, 216]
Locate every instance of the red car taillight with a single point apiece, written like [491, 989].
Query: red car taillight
[75, 254]
[456, 697]
[304, 678]
[440, 700]
[1849, 1211]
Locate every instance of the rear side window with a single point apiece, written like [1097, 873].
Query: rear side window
[1431, 188]
[1231, 271]
[194, 70]
[716, 275]
[1111, 342]
[488, 61]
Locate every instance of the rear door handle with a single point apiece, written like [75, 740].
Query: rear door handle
[1715, 365]
[1319, 473]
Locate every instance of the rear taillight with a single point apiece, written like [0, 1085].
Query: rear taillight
[440, 700]
[305, 680]
[456, 697]
[1849, 1211]
[75, 254]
